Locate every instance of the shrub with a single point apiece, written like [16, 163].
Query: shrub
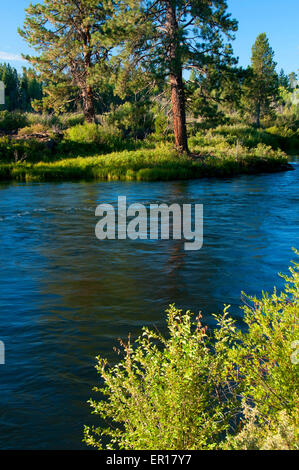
[162, 398]
[6, 153]
[83, 133]
[17, 151]
[264, 354]
[161, 124]
[102, 137]
[134, 119]
[60, 122]
[92, 133]
[48, 121]
[12, 121]
[281, 434]
[185, 391]
[247, 137]
[33, 129]
[70, 120]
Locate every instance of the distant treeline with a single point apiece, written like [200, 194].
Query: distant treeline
[25, 91]
[20, 89]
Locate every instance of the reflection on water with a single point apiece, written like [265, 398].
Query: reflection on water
[66, 296]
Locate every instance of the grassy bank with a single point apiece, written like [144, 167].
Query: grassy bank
[44, 152]
[149, 164]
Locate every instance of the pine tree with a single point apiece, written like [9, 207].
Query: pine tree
[73, 48]
[293, 81]
[164, 38]
[263, 85]
[283, 80]
[216, 93]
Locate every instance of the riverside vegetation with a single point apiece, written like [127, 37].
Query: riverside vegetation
[43, 150]
[232, 388]
[143, 90]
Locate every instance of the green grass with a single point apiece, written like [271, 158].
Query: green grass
[148, 164]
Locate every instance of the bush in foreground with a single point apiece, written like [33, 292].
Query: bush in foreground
[227, 390]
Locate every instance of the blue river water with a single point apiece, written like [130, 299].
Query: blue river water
[66, 296]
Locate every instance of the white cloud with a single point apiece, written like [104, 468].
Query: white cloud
[8, 56]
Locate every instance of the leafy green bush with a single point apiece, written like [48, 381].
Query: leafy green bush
[162, 398]
[281, 434]
[12, 121]
[264, 355]
[229, 389]
[83, 133]
[102, 137]
[134, 119]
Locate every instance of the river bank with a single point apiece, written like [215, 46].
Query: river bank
[160, 164]
[92, 152]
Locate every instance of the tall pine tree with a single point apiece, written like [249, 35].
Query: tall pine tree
[72, 48]
[263, 85]
[166, 37]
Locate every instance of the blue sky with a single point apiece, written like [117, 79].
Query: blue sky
[277, 18]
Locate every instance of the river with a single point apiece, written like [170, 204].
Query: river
[65, 296]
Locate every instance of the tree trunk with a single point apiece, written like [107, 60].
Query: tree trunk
[176, 80]
[88, 106]
[87, 92]
[178, 112]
